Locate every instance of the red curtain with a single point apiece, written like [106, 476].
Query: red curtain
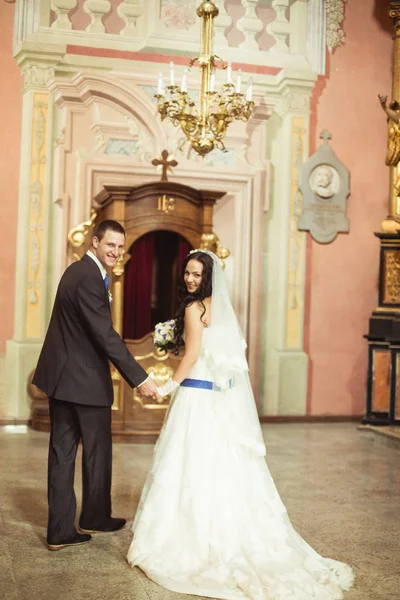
[183, 250]
[138, 287]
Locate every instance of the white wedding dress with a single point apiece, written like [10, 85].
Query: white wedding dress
[210, 521]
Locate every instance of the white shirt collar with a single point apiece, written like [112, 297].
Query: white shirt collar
[98, 263]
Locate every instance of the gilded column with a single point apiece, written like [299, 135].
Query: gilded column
[32, 242]
[394, 14]
[284, 387]
[390, 224]
[117, 309]
[36, 214]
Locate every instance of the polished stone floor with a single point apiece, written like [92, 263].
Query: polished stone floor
[341, 487]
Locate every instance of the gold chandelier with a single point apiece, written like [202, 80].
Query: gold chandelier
[205, 126]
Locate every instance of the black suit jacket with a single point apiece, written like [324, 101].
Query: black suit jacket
[73, 364]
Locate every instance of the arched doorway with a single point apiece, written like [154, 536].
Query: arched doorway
[150, 278]
[162, 220]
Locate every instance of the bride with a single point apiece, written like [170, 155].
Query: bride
[210, 521]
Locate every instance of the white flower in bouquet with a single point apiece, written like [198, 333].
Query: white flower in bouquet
[164, 335]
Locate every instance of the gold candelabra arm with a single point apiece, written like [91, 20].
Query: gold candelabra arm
[193, 61]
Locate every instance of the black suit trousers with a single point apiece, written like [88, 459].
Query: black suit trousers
[71, 423]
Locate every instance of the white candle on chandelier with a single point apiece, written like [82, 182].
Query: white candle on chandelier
[184, 81]
[160, 87]
[171, 73]
[212, 81]
[239, 81]
[229, 73]
[249, 91]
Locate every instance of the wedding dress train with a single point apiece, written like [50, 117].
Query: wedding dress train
[210, 521]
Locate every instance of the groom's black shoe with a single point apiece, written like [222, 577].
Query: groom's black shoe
[77, 540]
[112, 524]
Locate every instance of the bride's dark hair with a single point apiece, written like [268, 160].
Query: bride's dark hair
[186, 299]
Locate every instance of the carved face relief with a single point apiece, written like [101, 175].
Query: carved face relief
[324, 181]
[178, 14]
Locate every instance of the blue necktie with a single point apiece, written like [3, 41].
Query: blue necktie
[106, 281]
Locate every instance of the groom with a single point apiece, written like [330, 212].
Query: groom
[73, 370]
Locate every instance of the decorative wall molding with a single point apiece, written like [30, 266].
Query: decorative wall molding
[294, 95]
[250, 25]
[37, 76]
[132, 12]
[172, 27]
[280, 28]
[222, 25]
[178, 14]
[335, 36]
[285, 368]
[296, 239]
[316, 36]
[62, 9]
[294, 100]
[96, 9]
[35, 250]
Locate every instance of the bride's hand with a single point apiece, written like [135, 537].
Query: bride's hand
[149, 389]
[168, 387]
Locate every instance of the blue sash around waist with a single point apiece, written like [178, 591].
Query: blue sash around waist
[202, 384]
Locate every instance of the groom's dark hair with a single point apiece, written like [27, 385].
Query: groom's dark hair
[108, 225]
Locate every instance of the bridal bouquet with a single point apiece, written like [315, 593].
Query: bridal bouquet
[164, 336]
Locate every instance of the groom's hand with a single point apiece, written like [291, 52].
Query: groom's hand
[149, 388]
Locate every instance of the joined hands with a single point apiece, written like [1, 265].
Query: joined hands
[150, 388]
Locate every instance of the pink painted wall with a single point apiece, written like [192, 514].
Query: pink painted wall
[342, 276]
[10, 127]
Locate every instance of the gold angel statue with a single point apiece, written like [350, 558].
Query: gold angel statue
[393, 114]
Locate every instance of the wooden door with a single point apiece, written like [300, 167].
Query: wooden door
[168, 213]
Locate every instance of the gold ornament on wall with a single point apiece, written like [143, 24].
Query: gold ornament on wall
[118, 292]
[166, 204]
[394, 14]
[78, 234]
[210, 241]
[391, 224]
[119, 267]
[165, 162]
[160, 372]
[393, 275]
